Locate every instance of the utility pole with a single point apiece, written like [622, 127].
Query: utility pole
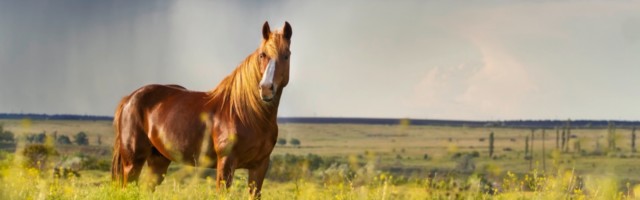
[564, 139]
[526, 148]
[557, 138]
[491, 140]
[633, 140]
[544, 156]
[531, 160]
[568, 135]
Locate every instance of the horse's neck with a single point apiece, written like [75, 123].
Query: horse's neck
[240, 99]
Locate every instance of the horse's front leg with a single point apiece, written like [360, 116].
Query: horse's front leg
[256, 177]
[224, 172]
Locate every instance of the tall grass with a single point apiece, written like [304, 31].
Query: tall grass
[313, 177]
[20, 182]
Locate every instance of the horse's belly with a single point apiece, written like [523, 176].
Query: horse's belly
[173, 147]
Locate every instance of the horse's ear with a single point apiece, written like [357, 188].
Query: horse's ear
[266, 31]
[287, 31]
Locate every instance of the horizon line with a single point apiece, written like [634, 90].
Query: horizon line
[353, 117]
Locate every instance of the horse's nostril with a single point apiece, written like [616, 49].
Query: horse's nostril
[271, 88]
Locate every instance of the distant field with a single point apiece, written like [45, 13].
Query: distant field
[394, 144]
[415, 150]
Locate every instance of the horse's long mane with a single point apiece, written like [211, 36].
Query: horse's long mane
[237, 94]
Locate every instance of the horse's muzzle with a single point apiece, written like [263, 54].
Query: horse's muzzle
[267, 92]
[267, 99]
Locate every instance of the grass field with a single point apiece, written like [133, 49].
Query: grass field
[361, 162]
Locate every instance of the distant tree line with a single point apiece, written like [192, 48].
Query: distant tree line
[380, 121]
[53, 117]
[79, 138]
[458, 123]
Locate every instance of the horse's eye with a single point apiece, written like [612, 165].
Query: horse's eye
[262, 55]
[286, 57]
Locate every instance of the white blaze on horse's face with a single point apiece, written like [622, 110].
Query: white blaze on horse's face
[267, 87]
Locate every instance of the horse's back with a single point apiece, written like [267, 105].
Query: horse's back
[152, 98]
[130, 115]
[163, 114]
[155, 92]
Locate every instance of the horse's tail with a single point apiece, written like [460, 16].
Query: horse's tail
[117, 173]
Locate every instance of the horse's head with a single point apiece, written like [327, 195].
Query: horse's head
[274, 60]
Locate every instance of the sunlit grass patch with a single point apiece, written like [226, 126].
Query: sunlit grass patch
[18, 182]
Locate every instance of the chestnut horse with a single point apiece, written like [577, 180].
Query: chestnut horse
[234, 126]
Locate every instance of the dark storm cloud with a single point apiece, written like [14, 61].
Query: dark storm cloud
[73, 56]
[421, 59]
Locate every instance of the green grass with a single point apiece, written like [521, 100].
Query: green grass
[22, 183]
[367, 157]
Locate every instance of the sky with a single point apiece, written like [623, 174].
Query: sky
[471, 60]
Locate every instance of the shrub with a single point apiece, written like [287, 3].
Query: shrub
[36, 155]
[282, 141]
[29, 138]
[63, 139]
[337, 173]
[6, 136]
[285, 167]
[456, 155]
[465, 164]
[92, 163]
[40, 137]
[61, 172]
[294, 142]
[81, 138]
[291, 167]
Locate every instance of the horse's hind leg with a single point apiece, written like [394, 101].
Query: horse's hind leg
[132, 169]
[138, 148]
[158, 165]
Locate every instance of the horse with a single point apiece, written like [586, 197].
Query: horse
[234, 126]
